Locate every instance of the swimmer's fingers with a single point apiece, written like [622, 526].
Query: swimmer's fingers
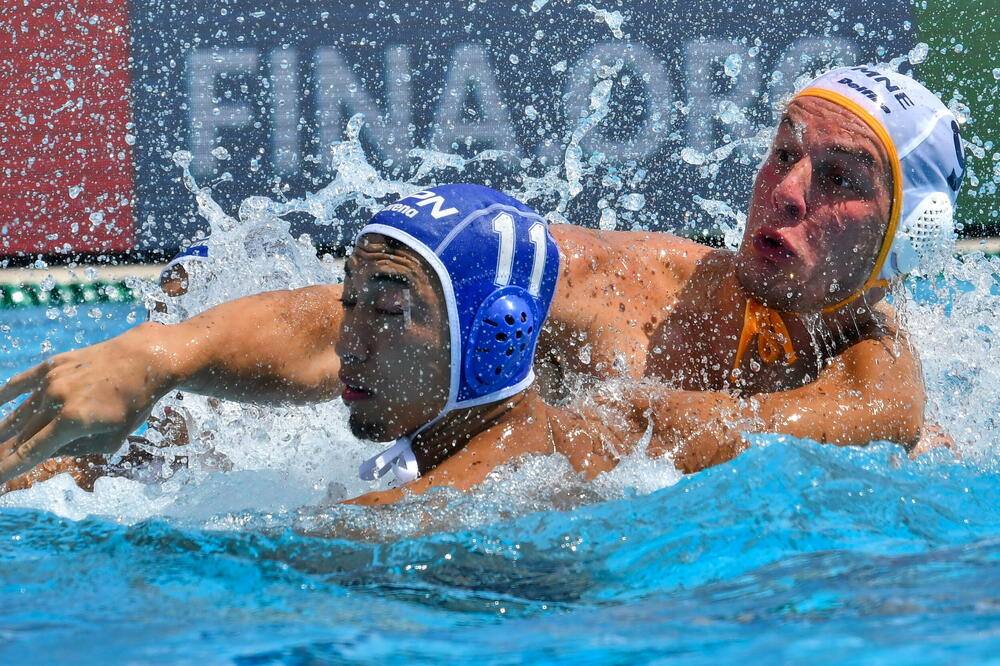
[634, 404]
[11, 425]
[29, 380]
[31, 448]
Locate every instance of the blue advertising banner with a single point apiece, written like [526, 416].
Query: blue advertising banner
[260, 90]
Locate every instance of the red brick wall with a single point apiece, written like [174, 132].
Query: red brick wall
[65, 124]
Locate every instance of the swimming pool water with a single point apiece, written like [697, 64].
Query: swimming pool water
[792, 551]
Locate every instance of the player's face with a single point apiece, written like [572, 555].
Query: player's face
[819, 209]
[394, 341]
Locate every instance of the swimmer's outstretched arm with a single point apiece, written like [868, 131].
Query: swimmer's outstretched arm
[871, 392]
[275, 347]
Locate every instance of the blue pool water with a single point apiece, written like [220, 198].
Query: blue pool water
[792, 551]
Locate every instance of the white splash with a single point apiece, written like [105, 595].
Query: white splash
[613, 19]
[729, 221]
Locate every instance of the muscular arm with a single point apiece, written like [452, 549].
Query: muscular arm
[273, 347]
[871, 392]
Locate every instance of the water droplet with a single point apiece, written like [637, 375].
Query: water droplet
[634, 201]
[733, 65]
[220, 153]
[609, 220]
[75, 190]
[918, 53]
[692, 156]
[182, 158]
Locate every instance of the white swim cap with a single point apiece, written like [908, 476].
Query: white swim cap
[921, 137]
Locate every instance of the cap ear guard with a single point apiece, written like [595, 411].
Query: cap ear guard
[924, 241]
[502, 339]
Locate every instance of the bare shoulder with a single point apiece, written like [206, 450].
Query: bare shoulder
[619, 269]
[319, 294]
[586, 250]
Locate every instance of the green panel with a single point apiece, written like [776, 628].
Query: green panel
[963, 65]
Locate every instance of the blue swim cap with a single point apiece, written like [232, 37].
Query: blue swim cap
[195, 252]
[191, 253]
[498, 266]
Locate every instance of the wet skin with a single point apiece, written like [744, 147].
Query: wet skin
[395, 363]
[639, 305]
[394, 347]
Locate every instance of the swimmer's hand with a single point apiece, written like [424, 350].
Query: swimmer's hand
[83, 402]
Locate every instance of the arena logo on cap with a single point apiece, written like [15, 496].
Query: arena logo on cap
[402, 208]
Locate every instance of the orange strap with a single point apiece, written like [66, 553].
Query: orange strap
[896, 207]
[772, 335]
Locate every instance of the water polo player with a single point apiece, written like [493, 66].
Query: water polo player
[441, 321]
[858, 187]
[443, 306]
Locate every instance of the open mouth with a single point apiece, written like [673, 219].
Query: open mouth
[355, 393]
[771, 246]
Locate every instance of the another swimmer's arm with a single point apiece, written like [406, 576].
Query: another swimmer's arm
[874, 391]
[697, 429]
[871, 392]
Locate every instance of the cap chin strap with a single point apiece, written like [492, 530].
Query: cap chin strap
[398, 459]
[773, 339]
[897, 187]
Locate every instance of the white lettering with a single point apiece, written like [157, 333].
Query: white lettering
[486, 121]
[401, 208]
[209, 113]
[503, 224]
[436, 201]
[338, 89]
[285, 84]
[642, 67]
[703, 61]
